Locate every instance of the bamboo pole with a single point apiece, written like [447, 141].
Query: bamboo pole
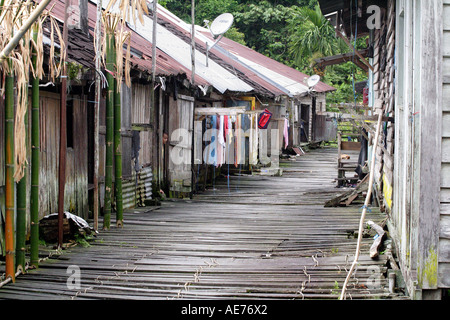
[21, 212]
[35, 150]
[118, 155]
[364, 211]
[9, 176]
[109, 128]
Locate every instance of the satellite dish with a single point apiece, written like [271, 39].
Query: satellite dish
[218, 27]
[313, 80]
[221, 24]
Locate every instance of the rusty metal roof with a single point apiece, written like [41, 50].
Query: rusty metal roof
[232, 66]
[284, 76]
[81, 47]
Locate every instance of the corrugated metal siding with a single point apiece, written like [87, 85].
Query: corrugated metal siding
[136, 192]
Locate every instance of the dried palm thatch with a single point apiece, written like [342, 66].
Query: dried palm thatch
[114, 23]
[12, 15]
[129, 9]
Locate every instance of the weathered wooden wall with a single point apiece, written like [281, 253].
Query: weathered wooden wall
[136, 108]
[383, 87]
[181, 112]
[444, 240]
[76, 192]
[401, 208]
[418, 220]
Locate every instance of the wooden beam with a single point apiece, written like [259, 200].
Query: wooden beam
[355, 51]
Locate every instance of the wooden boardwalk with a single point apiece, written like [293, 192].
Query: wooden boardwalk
[260, 237]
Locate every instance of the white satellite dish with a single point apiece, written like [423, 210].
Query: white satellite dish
[218, 27]
[221, 24]
[313, 80]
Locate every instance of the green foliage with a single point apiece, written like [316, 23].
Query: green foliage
[312, 36]
[265, 27]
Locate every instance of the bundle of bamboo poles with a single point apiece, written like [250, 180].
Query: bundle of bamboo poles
[114, 38]
[21, 39]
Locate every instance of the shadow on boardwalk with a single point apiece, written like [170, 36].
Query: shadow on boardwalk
[259, 237]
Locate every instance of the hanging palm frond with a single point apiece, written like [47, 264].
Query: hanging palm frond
[13, 13]
[121, 38]
[114, 26]
[129, 9]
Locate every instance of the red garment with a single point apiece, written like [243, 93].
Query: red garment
[225, 126]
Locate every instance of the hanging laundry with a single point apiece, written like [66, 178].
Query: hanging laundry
[264, 119]
[230, 147]
[253, 141]
[210, 153]
[221, 142]
[286, 133]
[220, 136]
[238, 156]
[225, 127]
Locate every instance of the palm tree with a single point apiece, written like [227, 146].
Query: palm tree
[312, 36]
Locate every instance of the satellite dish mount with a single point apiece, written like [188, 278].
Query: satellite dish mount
[218, 27]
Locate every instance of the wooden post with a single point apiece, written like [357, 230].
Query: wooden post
[192, 84]
[63, 133]
[98, 92]
[154, 116]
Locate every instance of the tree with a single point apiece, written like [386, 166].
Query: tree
[206, 10]
[312, 36]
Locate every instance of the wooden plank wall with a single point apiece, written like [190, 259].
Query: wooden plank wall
[444, 239]
[400, 215]
[180, 116]
[417, 224]
[76, 190]
[140, 115]
[136, 108]
[383, 78]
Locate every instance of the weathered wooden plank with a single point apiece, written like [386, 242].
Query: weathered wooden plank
[226, 243]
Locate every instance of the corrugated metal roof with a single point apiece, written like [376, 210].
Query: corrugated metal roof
[274, 76]
[287, 77]
[180, 51]
[232, 66]
[141, 59]
[226, 60]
